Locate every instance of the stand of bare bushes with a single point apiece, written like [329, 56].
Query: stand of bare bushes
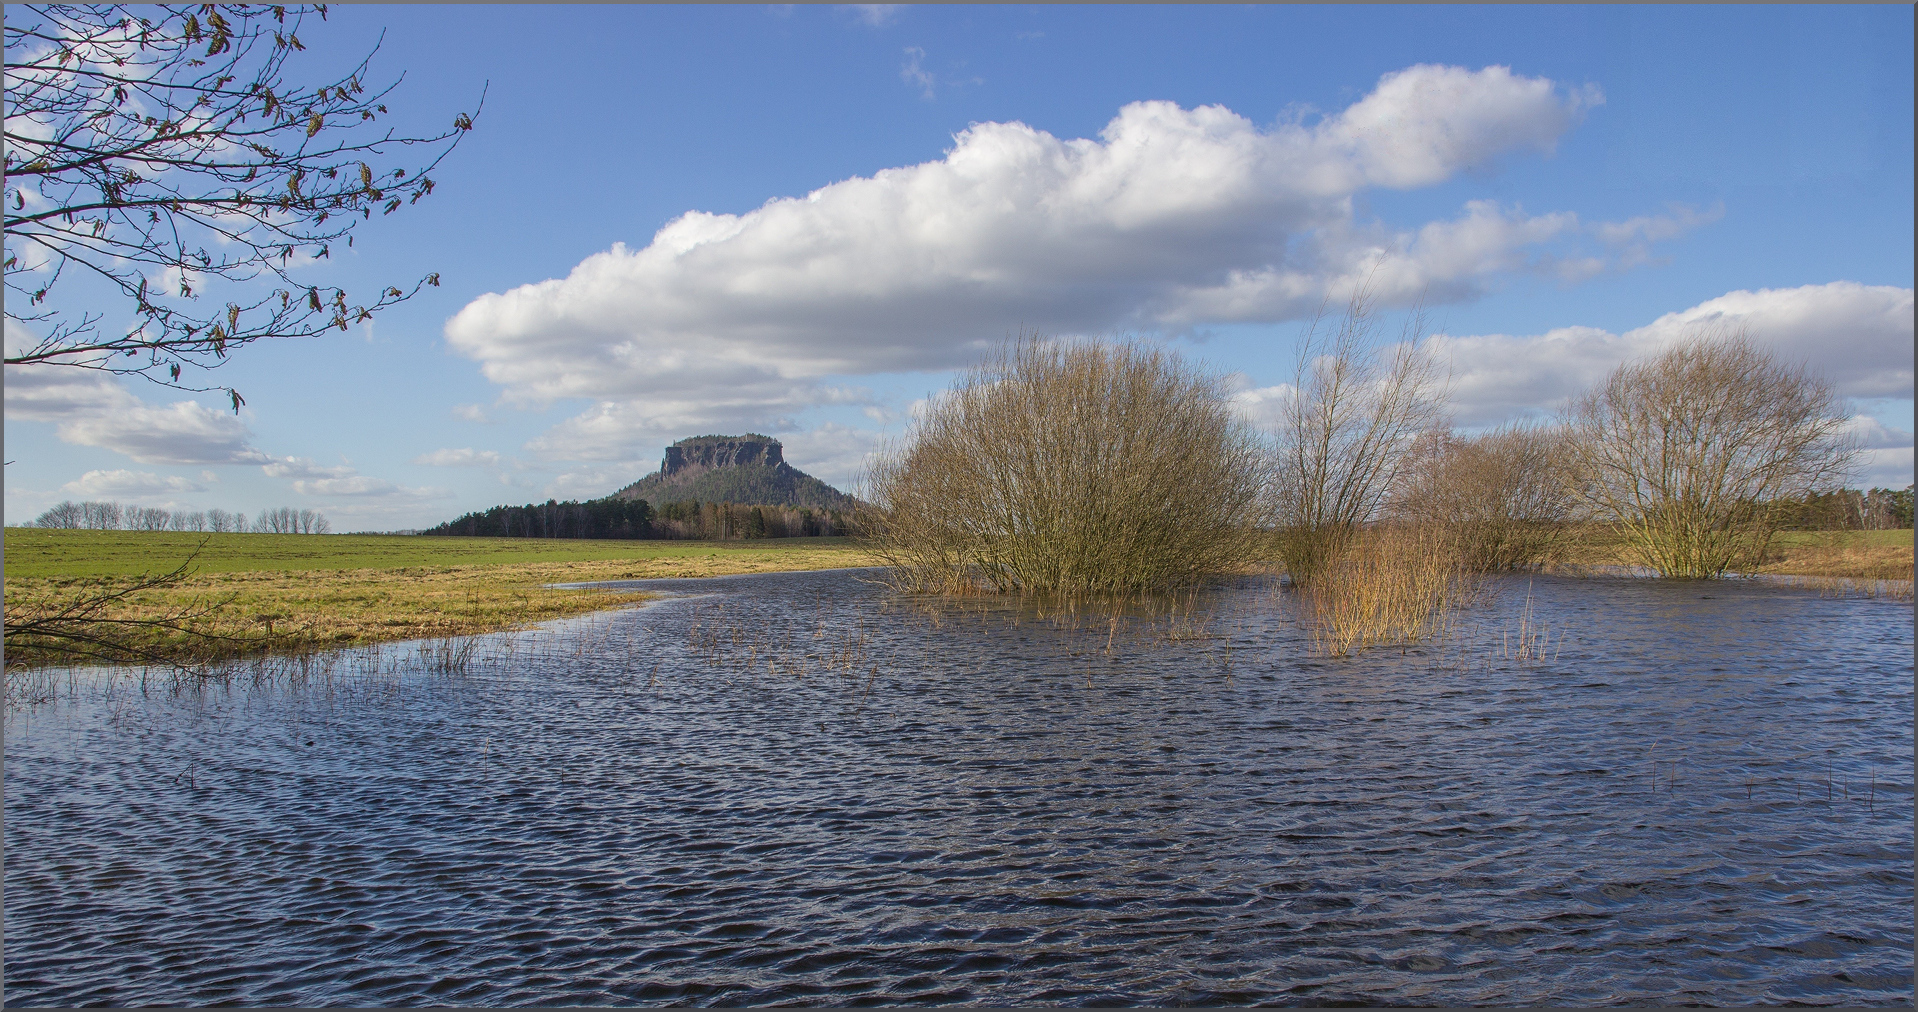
[1504, 496]
[1346, 435]
[1696, 457]
[1068, 470]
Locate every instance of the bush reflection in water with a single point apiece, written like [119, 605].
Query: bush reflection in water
[797, 789]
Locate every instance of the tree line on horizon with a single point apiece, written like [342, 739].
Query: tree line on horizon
[96, 515]
[636, 519]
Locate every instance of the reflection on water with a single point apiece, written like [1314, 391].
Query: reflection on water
[794, 789]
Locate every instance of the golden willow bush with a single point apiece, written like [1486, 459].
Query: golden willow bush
[1068, 469]
[1696, 456]
[1346, 436]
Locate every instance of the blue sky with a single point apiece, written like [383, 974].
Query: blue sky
[1568, 187]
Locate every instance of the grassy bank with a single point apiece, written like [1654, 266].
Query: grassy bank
[265, 593]
[1857, 555]
[1853, 555]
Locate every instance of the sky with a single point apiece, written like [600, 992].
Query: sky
[802, 220]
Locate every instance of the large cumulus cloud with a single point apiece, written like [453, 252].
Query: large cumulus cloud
[1171, 218]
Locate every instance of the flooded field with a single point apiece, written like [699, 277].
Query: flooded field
[797, 789]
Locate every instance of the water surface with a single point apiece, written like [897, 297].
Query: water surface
[796, 789]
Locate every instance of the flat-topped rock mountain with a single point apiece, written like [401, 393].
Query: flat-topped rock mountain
[743, 469]
[708, 452]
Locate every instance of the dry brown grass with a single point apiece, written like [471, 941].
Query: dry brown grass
[1393, 586]
[1832, 555]
[1845, 586]
[1857, 555]
[251, 613]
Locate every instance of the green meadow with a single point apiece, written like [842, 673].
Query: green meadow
[32, 552]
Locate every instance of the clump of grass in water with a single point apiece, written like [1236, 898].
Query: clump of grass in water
[1395, 586]
[448, 656]
[1532, 640]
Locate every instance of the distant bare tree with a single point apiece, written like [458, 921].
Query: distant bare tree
[1697, 455]
[156, 150]
[147, 518]
[68, 515]
[100, 516]
[1354, 415]
[1504, 495]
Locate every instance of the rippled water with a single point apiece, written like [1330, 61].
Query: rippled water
[794, 789]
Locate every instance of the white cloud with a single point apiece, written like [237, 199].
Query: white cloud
[304, 467]
[1658, 227]
[835, 454]
[1871, 434]
[1263, 407]
[595, 482]
[122, 483]
[343, 480]
[620, 430]
[876, 15]
[94, 409]
[364, 487]
[465, 457]
[914, 73]
[1884, 453]
[1173, 217]
[470, 413]
[1858, 337]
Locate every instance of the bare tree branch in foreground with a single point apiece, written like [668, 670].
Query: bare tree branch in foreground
[153, 151]
[94, 625]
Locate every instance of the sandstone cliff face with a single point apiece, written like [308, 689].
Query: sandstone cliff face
[695, 456]
[736, 469]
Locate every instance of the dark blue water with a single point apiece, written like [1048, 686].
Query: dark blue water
[795, 789]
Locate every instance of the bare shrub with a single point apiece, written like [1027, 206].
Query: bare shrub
[1069, 470]
[1355, 413]
[287, 520]
[100, 516]
[1393, 584]
[147, 518]
[1698, 455]
[1504, 495]
[68, 515]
